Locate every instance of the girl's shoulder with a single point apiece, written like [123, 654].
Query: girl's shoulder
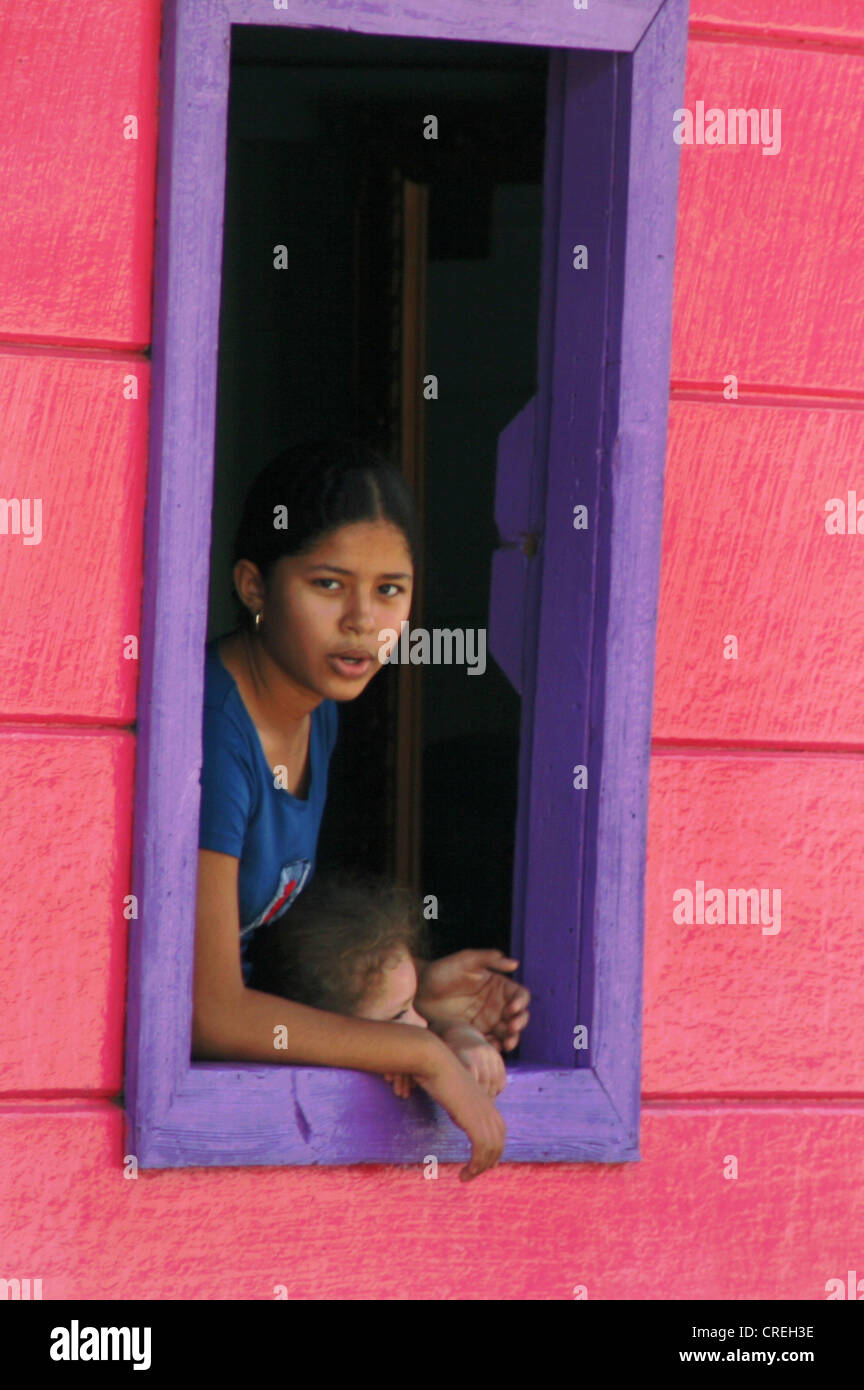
[218, 681]
[221, 694]
[227, 726]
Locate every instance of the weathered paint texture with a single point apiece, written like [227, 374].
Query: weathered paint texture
[752, 1042]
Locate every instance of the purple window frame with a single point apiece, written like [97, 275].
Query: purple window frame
[579, 608]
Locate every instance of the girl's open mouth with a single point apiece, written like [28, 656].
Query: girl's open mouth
[351, 667]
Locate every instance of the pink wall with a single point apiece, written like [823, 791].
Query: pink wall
[753, 1043]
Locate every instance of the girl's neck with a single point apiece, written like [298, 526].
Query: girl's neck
[277, 699]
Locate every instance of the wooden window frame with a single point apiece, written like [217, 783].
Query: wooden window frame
[578, 606]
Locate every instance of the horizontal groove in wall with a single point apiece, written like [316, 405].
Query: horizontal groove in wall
[24, 347]
[39, 725]
[769, 36]
[804, 397]
[723, 747]
[755, 1101]
[63, 1102]
[853, 1103]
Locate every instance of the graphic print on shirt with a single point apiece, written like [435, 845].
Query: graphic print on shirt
[292, 880]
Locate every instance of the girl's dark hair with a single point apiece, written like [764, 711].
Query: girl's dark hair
[322, 484]
[327, 949]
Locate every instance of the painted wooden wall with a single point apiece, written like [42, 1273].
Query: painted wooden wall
[754, 1043]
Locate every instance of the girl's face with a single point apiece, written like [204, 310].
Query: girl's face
[391, 998]
[323, 611]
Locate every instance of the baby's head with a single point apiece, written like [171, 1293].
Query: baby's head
[345, 945]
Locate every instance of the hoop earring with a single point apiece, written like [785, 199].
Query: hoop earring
[258, 621]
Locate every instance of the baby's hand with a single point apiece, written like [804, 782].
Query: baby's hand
[484, 1061]
[401, 1084]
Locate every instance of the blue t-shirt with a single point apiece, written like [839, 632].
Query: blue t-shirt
[271, 832]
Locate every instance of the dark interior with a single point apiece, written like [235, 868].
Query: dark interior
[322, 127]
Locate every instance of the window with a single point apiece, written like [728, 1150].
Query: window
[571, 616]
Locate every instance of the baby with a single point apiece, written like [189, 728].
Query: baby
[348, 945]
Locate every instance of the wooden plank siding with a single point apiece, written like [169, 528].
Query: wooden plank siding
[840, 22]
[769, 282]
[667, 1227]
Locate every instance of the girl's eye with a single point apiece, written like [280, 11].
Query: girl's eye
[397, 588]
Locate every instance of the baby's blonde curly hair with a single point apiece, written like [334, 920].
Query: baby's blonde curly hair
[336, 939]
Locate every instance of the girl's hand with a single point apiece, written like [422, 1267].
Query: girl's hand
[447, 1081]
[486, 1066]
[402, 1085]
[469, 987]
[482, 1059]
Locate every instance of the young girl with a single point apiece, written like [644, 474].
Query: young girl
[350, 946]
[324, 561]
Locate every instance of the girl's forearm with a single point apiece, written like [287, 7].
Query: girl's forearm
[457, 1035]
[259, 1027]
[436, 1021]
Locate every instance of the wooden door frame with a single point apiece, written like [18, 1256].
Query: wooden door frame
[412, 440]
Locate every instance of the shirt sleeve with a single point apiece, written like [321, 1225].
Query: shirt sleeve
[227, 786]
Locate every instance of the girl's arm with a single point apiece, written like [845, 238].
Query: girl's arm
[232, 1022]
[483, 1061]
[239, 1024]
[469, 987]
